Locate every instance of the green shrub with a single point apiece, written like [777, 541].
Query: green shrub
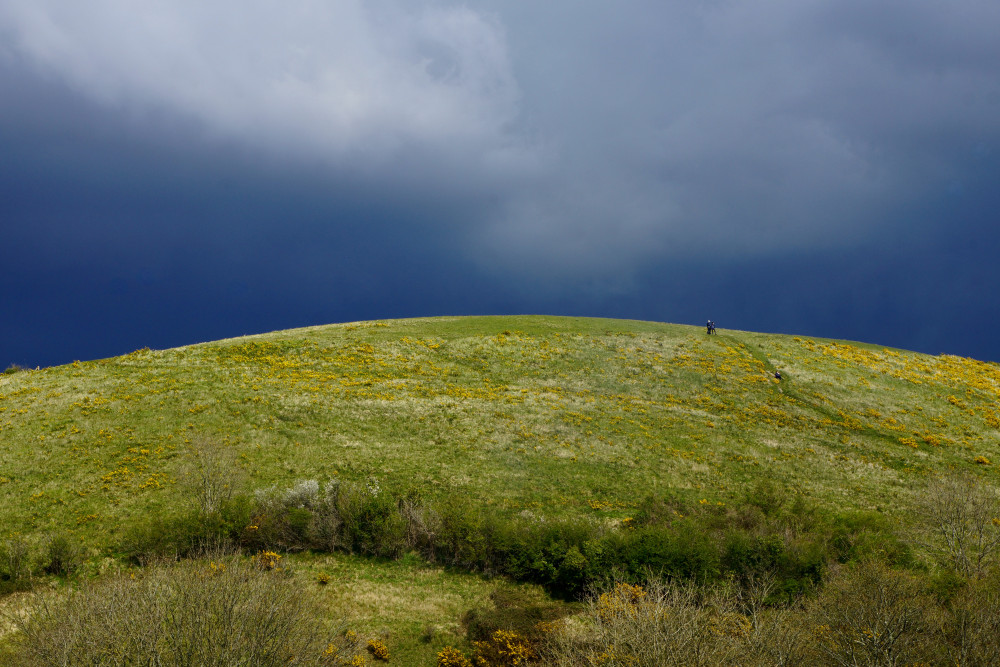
[356, 518]
[190, 533]
[768, 496]
[461, 533]
[790, 542]
[655, 510]
[370, 520]
[550, 554]
[683, 553]
[746, 555]
[62, 555]
[858, 536]
[16, 564]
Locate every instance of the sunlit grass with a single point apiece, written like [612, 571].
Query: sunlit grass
[559, 416]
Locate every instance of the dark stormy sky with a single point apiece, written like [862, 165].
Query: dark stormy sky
[176, 171]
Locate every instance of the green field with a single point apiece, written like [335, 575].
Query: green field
[531, 416]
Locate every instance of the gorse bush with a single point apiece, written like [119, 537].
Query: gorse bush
[267, 560]
[224, 613]
[452, 657]
[378, 649]
[513, 612]
[504, 649]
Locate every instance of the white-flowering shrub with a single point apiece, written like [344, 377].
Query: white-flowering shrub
[304, 494]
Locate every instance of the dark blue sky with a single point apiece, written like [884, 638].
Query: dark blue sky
[176, 172]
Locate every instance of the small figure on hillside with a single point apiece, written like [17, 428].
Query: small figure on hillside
[777, 375]
[710, 326]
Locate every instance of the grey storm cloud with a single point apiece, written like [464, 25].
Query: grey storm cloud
[598, 136]
[749, 127]
[350, 78]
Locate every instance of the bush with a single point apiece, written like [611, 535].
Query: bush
[971, 629]
[357, 518]
[504, 649]
[370, 521]
[15, 564]
[223, 613]
[378, 649]
[961, 514]
[460, 533]
[857, 536]
[873, 615]
[745, 555]
[187, 534]
[549, 554]
[211, 473]
[452, 657]
[656, 511]
[683, 553]
[767, 496]
[62, 556]
[647, 626]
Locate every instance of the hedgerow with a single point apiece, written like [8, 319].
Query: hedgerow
[568, 557]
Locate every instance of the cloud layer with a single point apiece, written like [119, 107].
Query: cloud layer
[736, 127]
[557, 156]
[612, 135]
[344, 78]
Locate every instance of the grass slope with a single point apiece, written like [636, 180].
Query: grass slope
[559, 416]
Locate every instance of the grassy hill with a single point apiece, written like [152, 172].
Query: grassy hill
[558, 415]
[564, 418]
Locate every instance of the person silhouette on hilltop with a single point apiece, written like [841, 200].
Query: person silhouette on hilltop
[710, 325]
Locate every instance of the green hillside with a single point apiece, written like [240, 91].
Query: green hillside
[566, 419]
[556, 415]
